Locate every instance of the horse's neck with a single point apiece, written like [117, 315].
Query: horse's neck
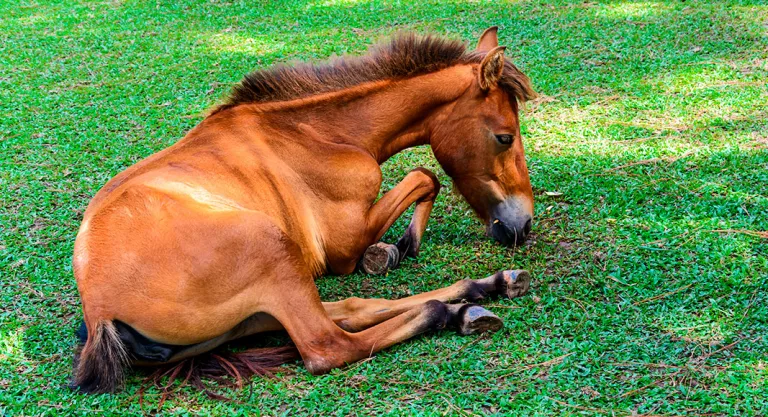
[381, 118]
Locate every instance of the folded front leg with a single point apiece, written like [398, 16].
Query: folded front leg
[421, 187]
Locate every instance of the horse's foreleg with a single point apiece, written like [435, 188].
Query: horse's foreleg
[420, 186]
[356, 314]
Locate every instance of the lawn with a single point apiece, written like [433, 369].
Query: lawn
[648, 152]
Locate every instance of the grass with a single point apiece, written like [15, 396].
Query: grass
[650, 268]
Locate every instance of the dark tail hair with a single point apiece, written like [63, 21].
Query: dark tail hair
[101, 363]
[230, 369]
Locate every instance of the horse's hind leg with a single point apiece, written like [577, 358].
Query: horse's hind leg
[420, 186]
[324, 345]
[356, 314]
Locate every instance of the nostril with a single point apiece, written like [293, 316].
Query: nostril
[527, 227]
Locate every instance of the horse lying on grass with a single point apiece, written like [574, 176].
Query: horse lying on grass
[223, 234]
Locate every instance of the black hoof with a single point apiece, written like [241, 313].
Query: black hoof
[475, 320]
[517, 282]
[380, 258]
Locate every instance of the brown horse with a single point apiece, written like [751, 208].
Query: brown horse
[223, 234]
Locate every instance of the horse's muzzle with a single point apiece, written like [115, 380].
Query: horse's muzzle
[509, 224]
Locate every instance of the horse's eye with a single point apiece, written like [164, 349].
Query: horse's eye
[504, 139]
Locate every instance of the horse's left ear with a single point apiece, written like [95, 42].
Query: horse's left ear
[489, 39]
[491, 68]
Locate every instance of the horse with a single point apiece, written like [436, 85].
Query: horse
[223, 234]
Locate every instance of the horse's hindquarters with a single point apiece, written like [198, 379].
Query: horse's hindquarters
[178, 273]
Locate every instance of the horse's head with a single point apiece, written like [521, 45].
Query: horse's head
[478, 143]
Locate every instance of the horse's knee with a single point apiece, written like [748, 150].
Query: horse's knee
[430, 180]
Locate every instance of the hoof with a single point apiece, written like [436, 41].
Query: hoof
[380, 258]
[517, 282]
[475, 320]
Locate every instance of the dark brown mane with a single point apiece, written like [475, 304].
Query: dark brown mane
[405, 55]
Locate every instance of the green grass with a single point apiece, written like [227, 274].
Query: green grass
[653, 124]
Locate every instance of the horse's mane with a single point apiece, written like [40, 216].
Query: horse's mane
[405, 55]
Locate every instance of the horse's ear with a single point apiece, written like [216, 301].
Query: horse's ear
[491, 68]
[489, 39]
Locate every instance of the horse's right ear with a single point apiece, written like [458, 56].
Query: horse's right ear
[489, 39]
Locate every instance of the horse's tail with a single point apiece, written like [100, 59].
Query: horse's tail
[231, 369]
[100, 364]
